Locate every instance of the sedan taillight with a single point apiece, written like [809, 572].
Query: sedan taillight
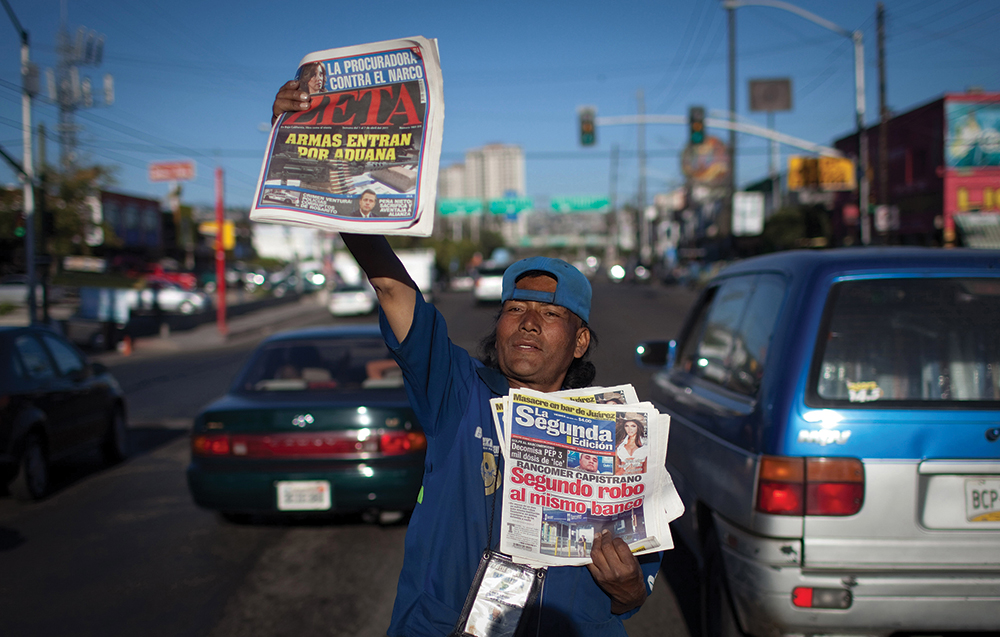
[210, 445]
[810, 486]
[320, 444]
[397, 443]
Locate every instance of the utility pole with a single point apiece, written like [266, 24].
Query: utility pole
[68, 89]
[864, 186]
[883, 108]
[45, 260]
[726, 214]
[611, 248]
[641, 147]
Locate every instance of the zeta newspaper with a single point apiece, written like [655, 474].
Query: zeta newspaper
[364, 157]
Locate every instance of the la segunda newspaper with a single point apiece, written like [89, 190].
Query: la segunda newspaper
[575, 469]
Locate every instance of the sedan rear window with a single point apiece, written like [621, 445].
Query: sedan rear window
[332, 365]
[925, 341]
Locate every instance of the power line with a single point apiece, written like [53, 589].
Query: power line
[684, 45]
[690, 58]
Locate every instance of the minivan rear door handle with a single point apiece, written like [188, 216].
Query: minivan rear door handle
[960, 467]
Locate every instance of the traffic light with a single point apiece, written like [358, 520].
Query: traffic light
[696, 125]
[588, 130]
[20, 227]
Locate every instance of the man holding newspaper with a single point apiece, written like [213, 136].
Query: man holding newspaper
[539, 344]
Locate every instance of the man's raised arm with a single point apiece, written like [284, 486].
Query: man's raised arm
[397, 293]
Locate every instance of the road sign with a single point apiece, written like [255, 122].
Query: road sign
[460, 206]
[824, 173]
[509, 205]
[748, 214]
[837, 173]
[171, 170]
[580, 204]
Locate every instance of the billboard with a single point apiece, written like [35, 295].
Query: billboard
[771, 95]
[972, 156]
[825, 173]
[972, 132]
[706, 164]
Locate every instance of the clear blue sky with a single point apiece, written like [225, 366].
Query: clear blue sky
[196, 79]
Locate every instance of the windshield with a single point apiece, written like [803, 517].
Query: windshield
[916, 340]
[331, 365]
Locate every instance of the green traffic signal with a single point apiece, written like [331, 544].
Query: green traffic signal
[696, 125]
[588, 128]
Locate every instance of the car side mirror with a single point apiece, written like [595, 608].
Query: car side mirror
[656, 354]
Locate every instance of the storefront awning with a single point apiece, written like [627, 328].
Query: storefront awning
[979, 229]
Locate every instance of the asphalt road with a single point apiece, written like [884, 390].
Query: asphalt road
[123, 551]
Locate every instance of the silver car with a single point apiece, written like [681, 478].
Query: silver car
[169, 298]
[835, 436]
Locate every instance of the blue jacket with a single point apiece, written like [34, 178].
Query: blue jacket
[450, 391]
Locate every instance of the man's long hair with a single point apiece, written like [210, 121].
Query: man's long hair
[581, 371]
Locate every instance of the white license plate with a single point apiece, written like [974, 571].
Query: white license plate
[982, 500]
[304, 495]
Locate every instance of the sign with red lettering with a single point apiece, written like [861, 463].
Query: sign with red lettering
[171, 170]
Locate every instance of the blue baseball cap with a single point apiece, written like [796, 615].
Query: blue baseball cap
[573, 290]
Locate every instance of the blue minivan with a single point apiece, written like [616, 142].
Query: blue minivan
[835, 436]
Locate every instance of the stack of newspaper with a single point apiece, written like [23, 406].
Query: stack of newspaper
[577, 463]
[364, 157]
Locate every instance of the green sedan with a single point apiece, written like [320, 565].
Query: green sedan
[316, 422]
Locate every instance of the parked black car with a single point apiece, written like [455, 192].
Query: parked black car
[53, 403]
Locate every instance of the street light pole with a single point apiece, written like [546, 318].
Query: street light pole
[859, 93]
[28, 167]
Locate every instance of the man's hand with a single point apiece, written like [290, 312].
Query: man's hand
[617, 572]
[289, 99]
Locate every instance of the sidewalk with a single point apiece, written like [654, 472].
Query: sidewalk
[242, 325]
[258, 323]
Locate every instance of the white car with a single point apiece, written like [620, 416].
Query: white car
[352, 300]
[488, 287]
[169, 298]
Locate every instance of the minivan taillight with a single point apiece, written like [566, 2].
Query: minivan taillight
[810, 486]
[779, 485]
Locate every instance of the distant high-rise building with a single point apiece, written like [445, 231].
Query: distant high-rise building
[451, 182]
[494, 171]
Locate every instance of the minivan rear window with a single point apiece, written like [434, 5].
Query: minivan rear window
[919, 341]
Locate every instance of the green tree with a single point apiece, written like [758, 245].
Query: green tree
[11, 245]
[796, 227]
[69, 197]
